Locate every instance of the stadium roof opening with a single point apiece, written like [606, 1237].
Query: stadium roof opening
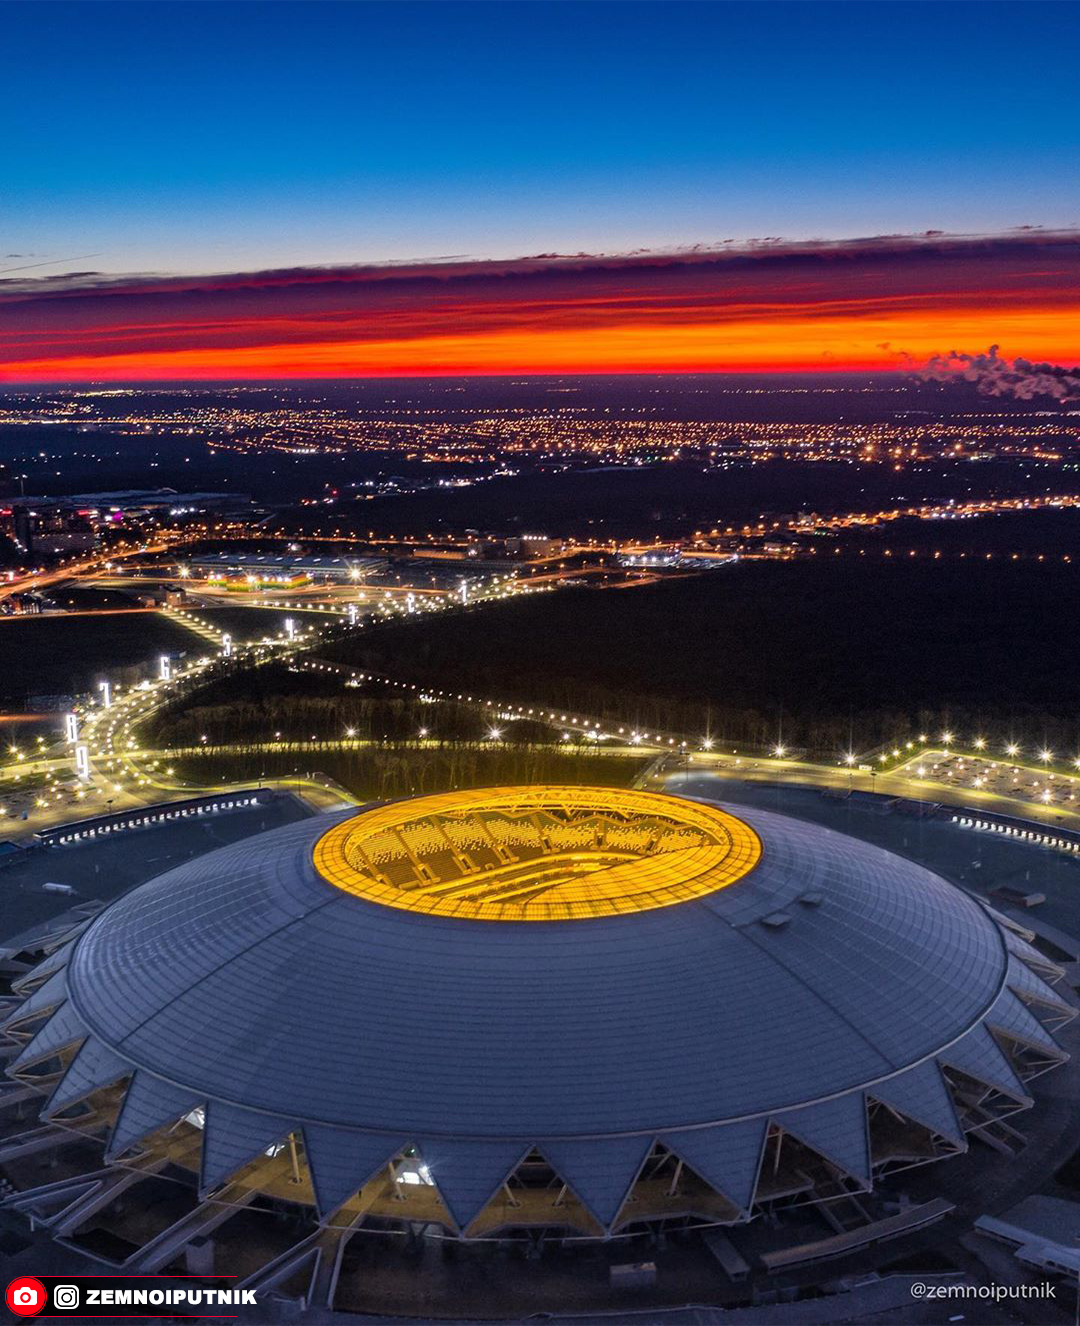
[537, 853]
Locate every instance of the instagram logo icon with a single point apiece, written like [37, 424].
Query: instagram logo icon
[26, 1296]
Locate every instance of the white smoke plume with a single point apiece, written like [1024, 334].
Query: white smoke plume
[994, 376]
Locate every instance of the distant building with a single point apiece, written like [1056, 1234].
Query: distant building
[650, 557]
[168, 596]
[535, 545]
[287, 568]
[22, 520]
[780, 545]
[49, 530]
[131, 500]
[47, 704]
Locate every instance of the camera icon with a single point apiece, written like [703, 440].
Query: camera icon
[26, 1296]
[66, 1296]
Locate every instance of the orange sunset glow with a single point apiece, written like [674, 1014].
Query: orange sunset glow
[866, 306]
[871, 343]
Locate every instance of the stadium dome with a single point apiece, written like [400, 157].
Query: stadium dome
[572, 1008]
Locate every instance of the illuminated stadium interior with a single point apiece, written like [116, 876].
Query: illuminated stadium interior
[537, 854]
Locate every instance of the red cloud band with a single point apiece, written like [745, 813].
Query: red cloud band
[771, 305]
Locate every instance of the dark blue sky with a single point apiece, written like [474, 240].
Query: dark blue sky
[206, 136]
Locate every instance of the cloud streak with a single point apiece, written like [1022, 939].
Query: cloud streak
[768, 305]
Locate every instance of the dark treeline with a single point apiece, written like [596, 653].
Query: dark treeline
[277, 703]
[375, 773]
[663, 500]
[823, 657]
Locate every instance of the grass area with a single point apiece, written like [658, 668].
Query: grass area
[88, 598]
[376, 773]
[245, 624]
[828, 655]
[66, 655]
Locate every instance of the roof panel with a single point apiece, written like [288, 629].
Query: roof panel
[64, 1028]
[468, 1173]
[94, 1066]
[232, 1138]
[836, 1129]
[342, 1161]
[601, 1171]
[979, 1056]
[921, 1094]
[149, 1104]
[728, 1158]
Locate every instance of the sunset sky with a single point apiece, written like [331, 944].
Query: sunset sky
[247, 190]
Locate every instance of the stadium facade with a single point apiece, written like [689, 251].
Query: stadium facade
[571, 1012]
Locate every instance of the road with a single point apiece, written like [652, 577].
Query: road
[35, 581]
[127, 774]
[123, 775]
[900, 782]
